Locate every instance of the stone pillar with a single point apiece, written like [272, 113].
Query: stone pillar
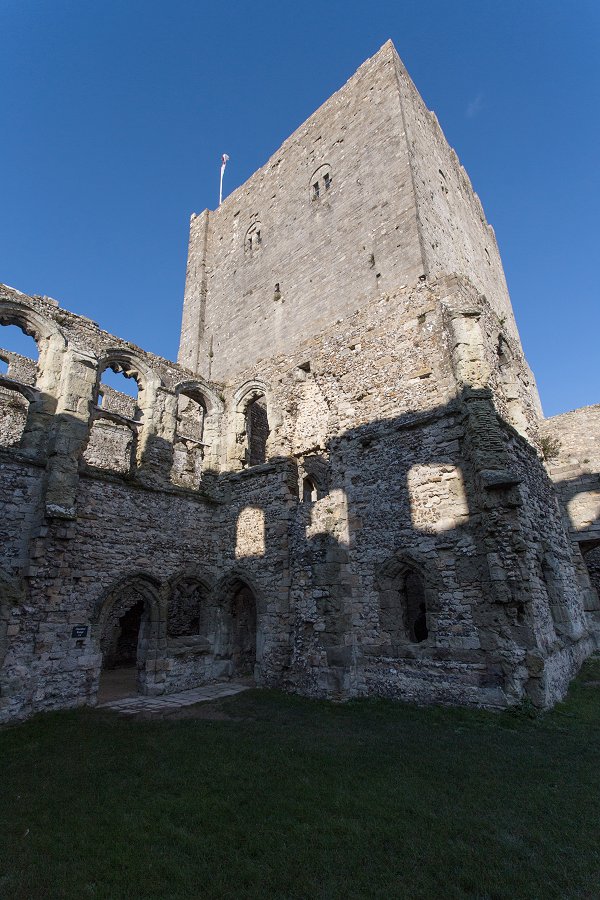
[70, 432]
[36, 435]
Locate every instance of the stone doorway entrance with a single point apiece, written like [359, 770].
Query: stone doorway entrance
[122, 647]
[243, 632]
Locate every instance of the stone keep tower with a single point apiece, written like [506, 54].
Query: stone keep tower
[364, 197]
[355, 280]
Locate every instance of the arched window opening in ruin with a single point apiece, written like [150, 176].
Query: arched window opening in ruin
[257, 431]
[309, 490]
[116, 420]
[191, 415]
[123, 643]
[188, 447]
[242, 613]
[403, 605]
[186, 608]
[321, 182]
[16, 343]
[253, 239]
[415, 608]
[118, 393]
[18, 366]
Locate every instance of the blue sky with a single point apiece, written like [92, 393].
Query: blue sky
[115, 113]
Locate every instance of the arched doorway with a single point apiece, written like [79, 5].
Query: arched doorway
[243, 632]
[124, 634]
[404, 603]
[235, 651]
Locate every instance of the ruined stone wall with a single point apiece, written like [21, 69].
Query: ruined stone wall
[559, 635]
[20, 500]
[393, 357]
[76, 522]
[408, 417]
[13, 415]
[572, 444]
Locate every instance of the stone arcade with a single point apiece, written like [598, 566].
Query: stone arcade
[340, 489]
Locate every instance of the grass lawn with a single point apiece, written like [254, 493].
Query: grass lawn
[281, 797]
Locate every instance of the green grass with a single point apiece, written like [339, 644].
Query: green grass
[291, 798]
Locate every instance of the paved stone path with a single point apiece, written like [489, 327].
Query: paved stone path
[131, 706]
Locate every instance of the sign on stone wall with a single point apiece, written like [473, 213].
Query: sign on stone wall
[79, 631]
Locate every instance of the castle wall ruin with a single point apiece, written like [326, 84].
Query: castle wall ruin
[344, 490]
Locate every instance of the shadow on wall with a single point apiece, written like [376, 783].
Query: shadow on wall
[425, 550]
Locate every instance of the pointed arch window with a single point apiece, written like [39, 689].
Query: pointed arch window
[404, 608]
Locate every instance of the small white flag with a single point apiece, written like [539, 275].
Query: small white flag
[224, 159]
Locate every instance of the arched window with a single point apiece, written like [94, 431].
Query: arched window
[253, 239]
[19, 352]
[188, 448]
[18, 372]
[257, 430]
[415, 607]
[309, 490]
[238, 640]
[191, 413]
[118, 392]
[252, 412]
[404, 615]
[117, 418]
[321, 183]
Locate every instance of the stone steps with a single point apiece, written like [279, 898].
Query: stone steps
[131, 706]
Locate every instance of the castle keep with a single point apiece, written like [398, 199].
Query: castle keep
[344, 487]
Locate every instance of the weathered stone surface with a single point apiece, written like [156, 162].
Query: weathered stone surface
[360, 504]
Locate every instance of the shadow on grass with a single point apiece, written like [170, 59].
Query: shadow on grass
[284, 797]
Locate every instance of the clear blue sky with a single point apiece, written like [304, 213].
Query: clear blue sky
[115, 113]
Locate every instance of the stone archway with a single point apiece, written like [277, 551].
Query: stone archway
[406, 602]
[127, 628]
[243, 632]
[237, 643]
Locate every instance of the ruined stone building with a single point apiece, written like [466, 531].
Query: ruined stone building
[344, 487]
